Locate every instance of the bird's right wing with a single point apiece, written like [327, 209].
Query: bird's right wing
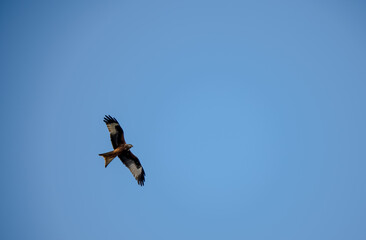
[117, 136]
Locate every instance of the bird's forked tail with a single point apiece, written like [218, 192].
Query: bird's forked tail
[108, 157]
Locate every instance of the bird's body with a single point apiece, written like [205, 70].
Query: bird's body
[122, 150]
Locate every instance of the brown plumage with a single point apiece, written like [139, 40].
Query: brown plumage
[122, 150]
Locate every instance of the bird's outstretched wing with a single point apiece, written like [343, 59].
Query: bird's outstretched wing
[133, 163]
[117, 136]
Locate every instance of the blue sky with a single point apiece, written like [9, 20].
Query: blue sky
[248, 117]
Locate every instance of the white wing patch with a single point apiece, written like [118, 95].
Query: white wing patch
[135, 171]
[112, 127]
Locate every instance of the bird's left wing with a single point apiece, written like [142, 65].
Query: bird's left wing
[117, 136]
[133, 163]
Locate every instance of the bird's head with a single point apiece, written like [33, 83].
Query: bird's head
[128, 146]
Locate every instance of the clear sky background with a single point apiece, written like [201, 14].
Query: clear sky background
[248, 117]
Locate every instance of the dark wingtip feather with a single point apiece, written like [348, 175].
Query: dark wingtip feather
[141, 182]
[141, 179]
[108, 119]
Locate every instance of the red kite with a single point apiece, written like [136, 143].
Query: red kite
[122, 150]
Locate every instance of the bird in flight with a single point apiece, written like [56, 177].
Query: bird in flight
[122, 150]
